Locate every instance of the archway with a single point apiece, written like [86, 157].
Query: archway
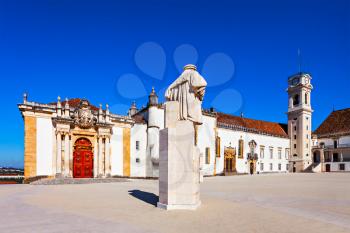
[252, 167]
[230, 160]
[83, 159]
[317, 156]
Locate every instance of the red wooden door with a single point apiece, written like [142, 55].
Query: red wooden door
[83, 159]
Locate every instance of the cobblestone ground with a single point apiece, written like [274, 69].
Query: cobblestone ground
[261, 203]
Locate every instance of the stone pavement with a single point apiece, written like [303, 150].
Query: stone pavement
[261, 203]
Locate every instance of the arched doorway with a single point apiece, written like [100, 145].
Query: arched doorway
[230, 160]
[252, 168]
[83, 159]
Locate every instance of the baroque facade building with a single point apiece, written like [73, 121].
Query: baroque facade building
[76, 139]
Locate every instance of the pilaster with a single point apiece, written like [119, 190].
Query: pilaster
[29, 146]
[58, 153]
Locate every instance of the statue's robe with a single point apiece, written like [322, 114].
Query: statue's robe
[188, 90]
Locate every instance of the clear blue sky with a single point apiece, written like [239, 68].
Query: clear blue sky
[82, 48]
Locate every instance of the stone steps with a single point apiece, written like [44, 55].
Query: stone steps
[61, 181]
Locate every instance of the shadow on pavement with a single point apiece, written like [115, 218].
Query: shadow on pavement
[147, 197]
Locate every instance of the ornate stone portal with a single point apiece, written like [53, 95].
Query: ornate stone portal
[179, 162]
[82, 141]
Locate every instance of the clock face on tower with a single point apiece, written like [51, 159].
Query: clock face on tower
[295, 81]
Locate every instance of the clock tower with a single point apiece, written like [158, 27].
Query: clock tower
[299, 121]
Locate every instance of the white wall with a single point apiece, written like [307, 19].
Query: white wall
[117, 151]
[231, 138]
[44, 145]
[206, 138]
[138, 133]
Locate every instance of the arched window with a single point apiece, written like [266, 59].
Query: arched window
[306, 98]
[240, 148]
[296, 100]
[217, 146]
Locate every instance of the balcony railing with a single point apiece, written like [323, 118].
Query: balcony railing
[339, 146]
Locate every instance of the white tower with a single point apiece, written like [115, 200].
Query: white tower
[155, 119]
[299, 122]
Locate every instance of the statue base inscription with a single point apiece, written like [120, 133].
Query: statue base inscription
[179, 175]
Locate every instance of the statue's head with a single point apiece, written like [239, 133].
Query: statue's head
[190, 67]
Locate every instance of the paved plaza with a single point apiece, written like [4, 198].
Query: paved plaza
[259, 203]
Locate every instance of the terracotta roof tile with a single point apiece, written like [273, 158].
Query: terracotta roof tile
[139, 119]
[338, 122]
[264, 127]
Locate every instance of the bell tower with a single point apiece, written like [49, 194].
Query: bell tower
[299, 121]
[155, 119]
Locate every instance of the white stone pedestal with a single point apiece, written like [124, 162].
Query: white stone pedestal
[178, 163]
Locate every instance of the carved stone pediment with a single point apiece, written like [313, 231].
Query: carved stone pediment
[83, 116]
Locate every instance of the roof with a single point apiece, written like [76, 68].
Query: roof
[139, 119]
[256, 126]
[74, 103]
[338, 122]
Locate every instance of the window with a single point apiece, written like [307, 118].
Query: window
[295, 146]
[207, 155]
[307, 145]
[279, 167]
[240, 148]
[307, 127]
[271, 152]
[271, 166]
[341, 166]
[335, 143]
[137, 145]
[306, 98]
[261, 167]
[296, 100]
[295, 128]
[262, 148]
[307, 136]
[287, 153]
[217, 146]
[279, 153]
[287, 167]
[295, 155]
[295, 136]
[137, 160]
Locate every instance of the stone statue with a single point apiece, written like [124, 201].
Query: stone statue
[188, 90]
[179, 157]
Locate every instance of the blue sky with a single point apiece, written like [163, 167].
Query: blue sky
[90, 49]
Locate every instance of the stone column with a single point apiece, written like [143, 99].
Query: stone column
[331, 154]
[341, 156]
[54, 157]
[96, 158]
[107, 158]
[66, 154]
[70, 158]
[59, 154]
[100, 156]
[322, 160]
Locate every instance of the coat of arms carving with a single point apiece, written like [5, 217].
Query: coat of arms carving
[83, 115]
